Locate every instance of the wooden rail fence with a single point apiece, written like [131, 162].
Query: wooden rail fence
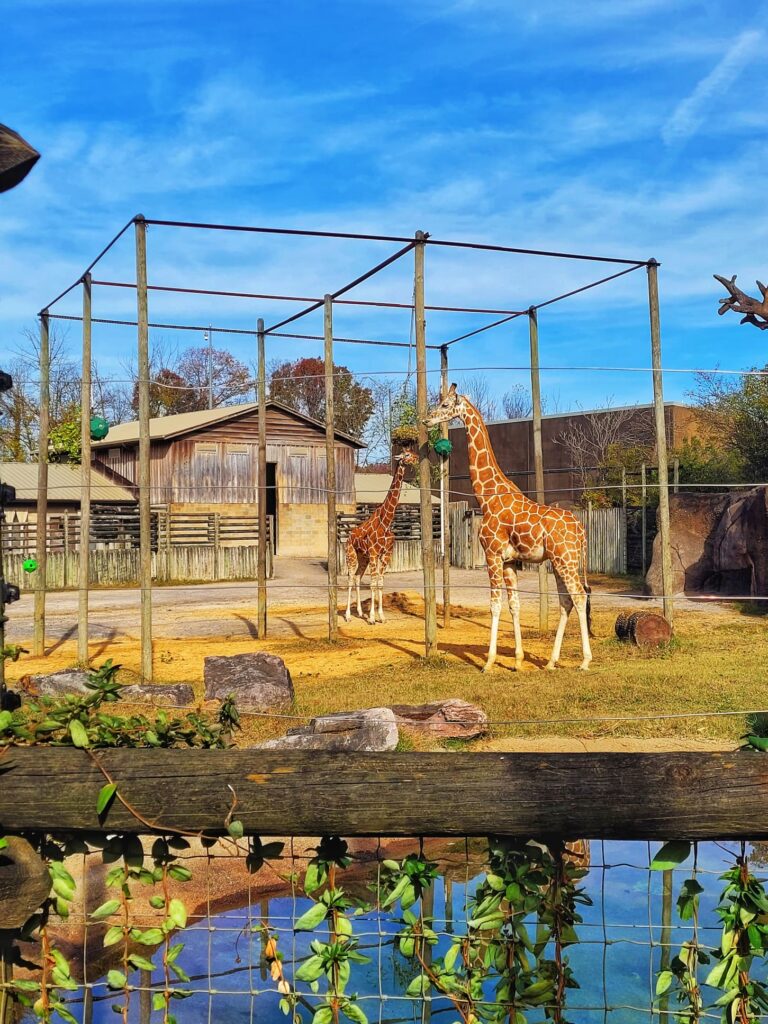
[693, 796]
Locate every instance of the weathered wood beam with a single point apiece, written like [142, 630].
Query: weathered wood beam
[610, 796]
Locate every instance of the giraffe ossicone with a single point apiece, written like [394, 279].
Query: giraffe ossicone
[515, 528]
[369, 545]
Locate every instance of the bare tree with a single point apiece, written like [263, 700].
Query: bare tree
[590, 437]
[477, 388]
[517, 403]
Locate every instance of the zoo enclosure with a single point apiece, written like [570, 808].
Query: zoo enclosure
[416, 245]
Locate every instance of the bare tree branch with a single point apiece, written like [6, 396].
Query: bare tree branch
[740, 302]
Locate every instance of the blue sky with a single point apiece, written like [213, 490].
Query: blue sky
[630, 128]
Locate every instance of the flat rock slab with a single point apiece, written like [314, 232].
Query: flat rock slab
[258, 682]
[59, 684]
[446, 719]
[171, 694]
[371, 729]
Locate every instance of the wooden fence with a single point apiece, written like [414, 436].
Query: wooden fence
[406, 527]
[606, 538]
[695, 796]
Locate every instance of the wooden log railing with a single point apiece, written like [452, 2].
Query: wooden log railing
[694, 796]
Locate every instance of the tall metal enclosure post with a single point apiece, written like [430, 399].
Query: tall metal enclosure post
[145, 521]
[445, 497]
[85, 481]
[261, 566]
[38, 633]
[538, 456]
[661, 442]
[425, 483]
[330, 466]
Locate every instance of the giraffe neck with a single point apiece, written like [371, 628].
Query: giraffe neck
[388, 506]
[484, 471]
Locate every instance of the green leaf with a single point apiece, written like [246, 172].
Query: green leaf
[670, 855]
[315, 876]
[116, 979]
[177, 913]
[158, 1001]
[3, 842]
[496, 882]
[353, 1012]
[324, 1015]
[663, 982]
[235, 829]
[141, 962]
[114, 935]
[105, 797]
[307, 922]
[78, 733]
[106, 909]
[418, 987]
[173, 952]
[157, 902]
[150, 937]
[5, 720]
[311, 969]
[179, 873]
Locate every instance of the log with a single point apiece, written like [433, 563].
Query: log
[590, 796]
[643, 629]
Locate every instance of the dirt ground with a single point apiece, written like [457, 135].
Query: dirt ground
[715, 664]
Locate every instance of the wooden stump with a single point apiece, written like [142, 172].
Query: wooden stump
[643, 629]
[24, 882]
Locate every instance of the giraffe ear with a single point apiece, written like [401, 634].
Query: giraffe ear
[452, 389]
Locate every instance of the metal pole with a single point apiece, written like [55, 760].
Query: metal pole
[85, 482]
[538, 457]
[676, 475]
[445, 496]
[261, 569]
[145, 520]
[624, 488]
[661, 442]
[644, 515]
[38, 641]
[425, 483]
[330, 465]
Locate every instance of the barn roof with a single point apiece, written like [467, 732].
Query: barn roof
[64, 483]
[163, 428]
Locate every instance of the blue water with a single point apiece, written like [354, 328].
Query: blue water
[615, 962]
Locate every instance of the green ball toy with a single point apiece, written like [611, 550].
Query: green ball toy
[29, 564]
[443, 446]
[99, 428]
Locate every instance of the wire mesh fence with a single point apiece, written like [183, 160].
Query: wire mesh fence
[392, 930]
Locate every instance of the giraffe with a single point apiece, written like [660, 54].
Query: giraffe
[370, 544]
[515, 528]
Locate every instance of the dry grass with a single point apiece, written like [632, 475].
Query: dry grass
[716, 663]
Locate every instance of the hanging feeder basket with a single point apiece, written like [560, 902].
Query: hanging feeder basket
[99, 428]
[443, 446]
[17, 158]
[29, 564]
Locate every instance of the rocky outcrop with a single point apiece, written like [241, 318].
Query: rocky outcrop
[443, 719]
[371, 729]
[258, 682]
[719, 544]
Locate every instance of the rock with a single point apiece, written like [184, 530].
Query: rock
[446, 719]
[24, 881]
[59, 684]
[370, 729]
[719, 544]
[176, 694]
[257, 681]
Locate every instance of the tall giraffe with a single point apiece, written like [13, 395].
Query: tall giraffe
[515, 528]
[371, 543]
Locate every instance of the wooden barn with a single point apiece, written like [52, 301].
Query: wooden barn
[206, 461]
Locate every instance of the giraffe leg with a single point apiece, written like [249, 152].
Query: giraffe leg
[579, 597]
[351, 567]
[495, 576]
[374, 584]
[513, 598]
[383, 564]
[565, 610]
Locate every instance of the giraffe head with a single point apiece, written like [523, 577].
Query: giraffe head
[449, 407]
[407, 457]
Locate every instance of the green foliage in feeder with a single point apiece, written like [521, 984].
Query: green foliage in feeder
[99, 428]
[29, 564]
[443, 446]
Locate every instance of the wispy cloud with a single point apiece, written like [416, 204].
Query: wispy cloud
[691, 112]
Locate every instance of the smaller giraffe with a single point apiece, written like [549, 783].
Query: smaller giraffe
[370, 544]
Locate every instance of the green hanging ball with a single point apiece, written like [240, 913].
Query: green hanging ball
[443, 446]
[99, 428]
[29, 564]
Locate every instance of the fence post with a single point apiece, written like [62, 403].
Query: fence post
[330, 469]
[644, 514]
[41, 583]
[538, 457]
[145, 521]
[624, 488]
[676, 475]
[261, 565]
[445, 497]
[216, 539]
[425, 481]
[661, 442]
[85, 482]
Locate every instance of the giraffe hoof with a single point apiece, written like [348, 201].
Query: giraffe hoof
[584, 666]
[487, 667]
[347, 617]
[519, 665]
[550, 666]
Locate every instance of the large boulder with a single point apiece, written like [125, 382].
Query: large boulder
[60, 684]
[719, 544]
[258, 682]
[370, 729]
[443, 719]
